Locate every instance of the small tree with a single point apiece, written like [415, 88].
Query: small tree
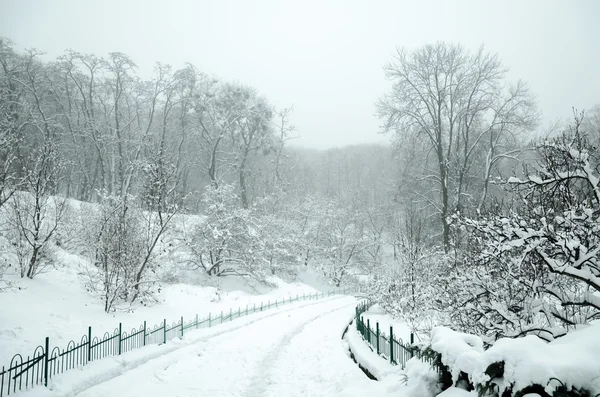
[227, 242]
[35, 215]
[115, 247]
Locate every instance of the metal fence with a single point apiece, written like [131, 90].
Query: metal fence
[45, 363]
[385, 344]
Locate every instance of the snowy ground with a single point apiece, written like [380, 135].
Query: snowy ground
[376, 314]
[296, 352]
[56, 305]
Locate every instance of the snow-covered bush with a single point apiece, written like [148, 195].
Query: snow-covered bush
[121, 246]
[568, 366]
[412, 293]
[536, 270]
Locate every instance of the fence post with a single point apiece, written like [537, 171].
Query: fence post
[239, 313]
[196, 320]
[377, 337]
[209, 320]
[412, 338]
[391, 345]
[144, 332]
[120, 336]
[230, 314]
[221, 320]
[246, 310]
[261, 306]
[369, 330]
[46, 361]
[165, 331]
[89, 344]
[182, 326]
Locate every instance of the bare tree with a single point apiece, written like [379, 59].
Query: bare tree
[457, 101]
[35, 215]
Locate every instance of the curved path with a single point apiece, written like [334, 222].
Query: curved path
[294, 353]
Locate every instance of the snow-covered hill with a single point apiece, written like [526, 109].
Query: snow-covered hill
[56, 303]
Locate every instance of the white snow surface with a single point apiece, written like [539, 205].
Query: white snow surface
[459, 351]
[55, 304]
[457, 392]
[417, 380]
[376, 314]
[377, 365]
[294, 351]
[574, 359]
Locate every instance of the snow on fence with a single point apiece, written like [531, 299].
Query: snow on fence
[568, 366]
[386, 345]
[45, 363]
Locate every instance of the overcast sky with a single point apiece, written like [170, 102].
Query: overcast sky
[325, 57]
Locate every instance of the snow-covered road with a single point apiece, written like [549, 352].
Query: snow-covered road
[294, 353]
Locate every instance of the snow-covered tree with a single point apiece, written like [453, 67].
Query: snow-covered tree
[115, 247]
[35, 215]
[537, 270]
[227, 241]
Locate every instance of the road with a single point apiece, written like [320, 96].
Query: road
[294, 353]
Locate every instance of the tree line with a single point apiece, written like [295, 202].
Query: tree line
[467, 217]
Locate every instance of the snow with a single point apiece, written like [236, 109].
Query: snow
[574, 359]
[58, 300]
[376, 314]
[459, 351]
[292, 351]
[457, 392]
[377, 365]
[418, 379]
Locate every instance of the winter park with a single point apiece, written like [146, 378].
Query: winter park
[299, 198]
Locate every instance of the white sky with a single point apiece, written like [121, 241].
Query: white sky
[325, 57]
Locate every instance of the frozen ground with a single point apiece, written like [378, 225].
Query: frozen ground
[56, 304]
[296, 352]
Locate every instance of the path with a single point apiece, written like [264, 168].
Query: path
[295, 353]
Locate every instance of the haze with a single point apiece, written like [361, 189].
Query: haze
[325, 58]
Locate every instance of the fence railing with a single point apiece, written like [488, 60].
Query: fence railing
[45, 363]
[387, 345]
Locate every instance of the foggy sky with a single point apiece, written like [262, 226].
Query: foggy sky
[325, 57]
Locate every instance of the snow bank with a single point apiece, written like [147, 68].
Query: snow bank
[417, 380]
[422, 379]
[573, 359]
[459, 351]
[59, 300]
[457, 392]
[378, 366]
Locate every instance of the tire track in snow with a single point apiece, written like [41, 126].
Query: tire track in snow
[157, 362]
[262, 378]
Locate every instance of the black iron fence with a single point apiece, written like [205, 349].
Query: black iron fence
[388, 345]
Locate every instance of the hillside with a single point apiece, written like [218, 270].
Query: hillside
[57, 304]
